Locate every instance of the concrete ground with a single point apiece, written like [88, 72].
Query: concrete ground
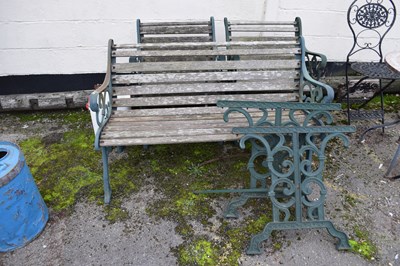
[86, 238]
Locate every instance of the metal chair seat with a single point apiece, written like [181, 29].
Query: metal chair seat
[375, 70]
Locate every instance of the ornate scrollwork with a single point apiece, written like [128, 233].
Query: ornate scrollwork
[314, 206]
[282, 204]
[372, 15]
[100, 103]
[104, 104]
[272, 150]
[315, 65]
[297, 114]
[311, 93]
[295, 159]
[242, 111]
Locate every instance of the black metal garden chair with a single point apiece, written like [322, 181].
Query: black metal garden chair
[369, 21]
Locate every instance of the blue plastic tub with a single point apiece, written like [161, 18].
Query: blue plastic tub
[23, 213]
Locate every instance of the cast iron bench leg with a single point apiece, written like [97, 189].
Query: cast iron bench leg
[106, 178]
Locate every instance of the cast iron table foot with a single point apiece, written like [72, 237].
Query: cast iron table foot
[256, 240]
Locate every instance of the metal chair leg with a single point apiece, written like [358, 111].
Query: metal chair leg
[393, 162]
[106, 178]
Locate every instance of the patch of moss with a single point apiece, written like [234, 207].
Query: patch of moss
[70, 169]
[350, 199]
[179, 171]
[199, 252]
[236, 238]
[362, 245]
[277, 246]
[190, 204]
[63, 169]
[235, 241]
[76, 116]
[114, 212]
[256, 226]
[184, 229]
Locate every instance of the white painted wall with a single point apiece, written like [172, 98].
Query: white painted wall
[68, 37]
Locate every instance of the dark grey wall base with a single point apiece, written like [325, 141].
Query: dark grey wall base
[48, 83]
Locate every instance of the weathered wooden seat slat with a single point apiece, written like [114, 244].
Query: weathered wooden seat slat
[168, 94]
[205, 66]
[287, 81]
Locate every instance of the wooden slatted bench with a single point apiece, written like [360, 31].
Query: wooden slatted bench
[165, 100]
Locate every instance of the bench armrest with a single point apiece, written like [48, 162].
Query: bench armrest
[100, 100]
[312, 90]
[316, 63]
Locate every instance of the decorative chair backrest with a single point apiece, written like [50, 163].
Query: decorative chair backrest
[370, 21]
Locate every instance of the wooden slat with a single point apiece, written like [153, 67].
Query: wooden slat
[216, 116]
[283, 40]
[174, 23]
[257, 28]
[179, 112]
[206, 45]
[186, 38]
[204, 65]
[165, 89]
[183, 117]
[184, 29]
[206, 76]
[168, 111]
[166, 133]
[257, 22]
[169, 140]
[147, 126]
[284, 52]
[201, 99]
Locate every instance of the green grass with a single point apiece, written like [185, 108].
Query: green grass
[391, 103]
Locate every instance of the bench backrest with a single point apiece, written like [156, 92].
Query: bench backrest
[175, 31]
[278, 31]
[171, 83]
